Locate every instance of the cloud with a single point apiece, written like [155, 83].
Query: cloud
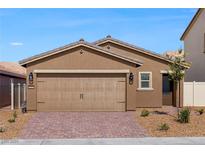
[16, 43]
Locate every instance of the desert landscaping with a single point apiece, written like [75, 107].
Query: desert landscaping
[12, 122]
[168, 115]
[157, 122]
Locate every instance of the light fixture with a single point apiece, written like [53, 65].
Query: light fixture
[131, 78]
[30, 78]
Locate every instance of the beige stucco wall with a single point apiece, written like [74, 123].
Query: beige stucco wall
[152, 98]
[74, 60]
[91, 59]
[194, 49]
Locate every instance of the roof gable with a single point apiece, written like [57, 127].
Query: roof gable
[194, 19]
[130, 46]
[74, 45]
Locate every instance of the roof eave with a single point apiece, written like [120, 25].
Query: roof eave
[44, 54]
[131, 46]
[13, 74]
[85, 44]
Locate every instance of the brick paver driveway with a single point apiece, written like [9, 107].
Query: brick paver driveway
[82, 125]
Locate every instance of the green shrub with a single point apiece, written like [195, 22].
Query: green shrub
[144, 113]
[163, 127]
[2, 129]
[200, 111]
[15, 114]
[184, 115]
[12, 120]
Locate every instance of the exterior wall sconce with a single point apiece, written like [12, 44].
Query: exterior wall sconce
[30, 78]
[131, 78]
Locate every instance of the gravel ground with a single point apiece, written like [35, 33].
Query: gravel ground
[12, 129]
[196, 127]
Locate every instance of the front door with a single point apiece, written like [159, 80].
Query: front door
[167, 89]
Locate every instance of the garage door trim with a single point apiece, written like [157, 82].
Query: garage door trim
[100, 72]
[82, 71]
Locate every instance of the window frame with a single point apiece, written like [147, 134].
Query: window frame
[150, 81]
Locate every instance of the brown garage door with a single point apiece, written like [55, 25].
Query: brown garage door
[85, 92]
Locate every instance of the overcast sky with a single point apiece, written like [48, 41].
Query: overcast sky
[26, 32]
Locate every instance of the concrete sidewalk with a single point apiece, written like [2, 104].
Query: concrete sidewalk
[110, 141]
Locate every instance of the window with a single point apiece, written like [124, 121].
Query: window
[145, 80]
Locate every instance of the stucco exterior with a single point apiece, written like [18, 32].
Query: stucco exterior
[194, 47]
[85, 58]
[150, 64]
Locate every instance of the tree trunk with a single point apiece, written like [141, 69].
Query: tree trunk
[176, 94]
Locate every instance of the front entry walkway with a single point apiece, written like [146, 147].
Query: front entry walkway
[56, 125]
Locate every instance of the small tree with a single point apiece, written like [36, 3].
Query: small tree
[177, 69]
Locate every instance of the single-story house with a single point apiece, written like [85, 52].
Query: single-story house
[106, 75]
[11, 74]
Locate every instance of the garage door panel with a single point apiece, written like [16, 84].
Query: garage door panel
[121, 97]
[102, 94]
[42, 93]
[55, 93]
[81, 93]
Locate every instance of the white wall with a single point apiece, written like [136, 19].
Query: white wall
[194, 93]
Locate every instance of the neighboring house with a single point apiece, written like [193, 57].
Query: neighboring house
[173, 54]
[194, 47]
[11, 74]
[107, 75]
